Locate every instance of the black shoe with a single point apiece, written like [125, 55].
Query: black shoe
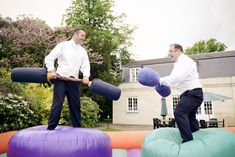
[50, 128]
[185, 141]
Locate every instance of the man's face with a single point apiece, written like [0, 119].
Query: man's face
[79, 37]
[173, 53]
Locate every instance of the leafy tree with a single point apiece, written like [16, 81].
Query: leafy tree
[107, 36]
[5, 22]
[212, 45]
[25, 42]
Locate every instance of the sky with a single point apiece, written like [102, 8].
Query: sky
[159, 23]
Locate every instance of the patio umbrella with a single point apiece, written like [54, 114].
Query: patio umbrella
[164, 108]
[209, 96]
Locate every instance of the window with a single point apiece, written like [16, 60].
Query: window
[208, 107]
[176, 99]
[133, 74]
[132, 104]
[203, 112]
[199, 111]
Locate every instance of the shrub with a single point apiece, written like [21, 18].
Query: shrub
[15, 113]
[6, 85]
[89, 113]
[40, 99]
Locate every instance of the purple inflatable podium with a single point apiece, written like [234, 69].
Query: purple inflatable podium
[64, 141]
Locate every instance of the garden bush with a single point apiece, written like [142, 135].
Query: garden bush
[15, 113]
[89, 113]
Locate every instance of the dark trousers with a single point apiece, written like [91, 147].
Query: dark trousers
[185, 113]
[72, 91]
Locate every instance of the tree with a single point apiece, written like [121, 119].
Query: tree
[25, 42]
[5, 22]
[212, 45]
[107, 36]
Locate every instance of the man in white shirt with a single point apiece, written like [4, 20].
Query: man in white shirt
[185, 77]
[72, 58]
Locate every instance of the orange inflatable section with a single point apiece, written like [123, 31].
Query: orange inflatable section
[4, 139]
[119, 139]
[127, 139]
[232, 129]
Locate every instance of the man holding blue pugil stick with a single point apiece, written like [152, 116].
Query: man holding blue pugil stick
[186, 79]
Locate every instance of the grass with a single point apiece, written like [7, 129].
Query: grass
[105, 126]
[109, 129]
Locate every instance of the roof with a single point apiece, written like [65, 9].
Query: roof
[196, 57]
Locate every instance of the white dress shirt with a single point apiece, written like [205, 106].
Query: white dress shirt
[184, 75]
[71, 59]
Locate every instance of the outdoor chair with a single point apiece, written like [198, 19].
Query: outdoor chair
[171, 122]
[213, 123]
[156, 123]
[203, 124]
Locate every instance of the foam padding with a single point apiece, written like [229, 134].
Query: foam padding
[29, 75]
[4, 139]
[119, 153]
[133, 153]
[232, 129]
[148, 77]
[127, 139]
[211, 142]
[3, 155]
[105, 89]
[64, 141]
[126, 153]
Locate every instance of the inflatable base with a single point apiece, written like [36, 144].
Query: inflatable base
[211, 142]
[64, 141]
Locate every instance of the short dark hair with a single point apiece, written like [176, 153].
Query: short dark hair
[177, 46]
[77, 30]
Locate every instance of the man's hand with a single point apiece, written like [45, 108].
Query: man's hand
[85, 80]
[52, 74]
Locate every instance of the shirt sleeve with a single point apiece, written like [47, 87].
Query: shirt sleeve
[85, 67]
[179, 73]
[50, 58]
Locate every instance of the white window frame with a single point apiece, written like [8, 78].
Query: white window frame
[133, 107]
[133, 74]
[175, 100]
[201, 113]
[209, 113]
[199, 110]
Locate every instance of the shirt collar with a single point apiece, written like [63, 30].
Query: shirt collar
[179, 57]
[73, 43]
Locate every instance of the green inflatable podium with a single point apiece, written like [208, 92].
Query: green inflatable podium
[211, 142]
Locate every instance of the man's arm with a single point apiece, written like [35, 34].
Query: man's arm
[50, 58]
[178, 74]
[85, 69]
